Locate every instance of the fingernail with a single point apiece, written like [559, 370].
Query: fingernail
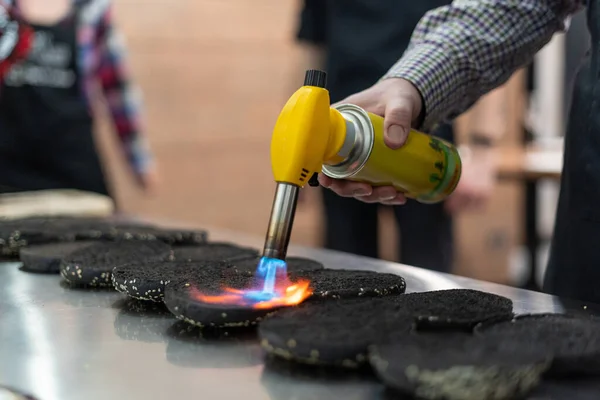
[397, 135]
[361, 192]
[387, 198]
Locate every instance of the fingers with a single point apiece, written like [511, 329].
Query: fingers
[399, 200]
[346, 188]
[363, 192]
[325, 181]
[149, 181]
[398, 119]
[397, 100]
[383, 194]
[397, 114]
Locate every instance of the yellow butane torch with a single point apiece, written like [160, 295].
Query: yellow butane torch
[346, 142]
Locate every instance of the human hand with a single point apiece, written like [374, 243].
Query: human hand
[149, 181]
[399, 102]
[476, 183]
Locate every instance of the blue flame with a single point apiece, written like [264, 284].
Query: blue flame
[268, 269]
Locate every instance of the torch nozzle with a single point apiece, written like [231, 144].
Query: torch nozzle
[281, 221]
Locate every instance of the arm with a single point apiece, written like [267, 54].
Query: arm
[123, 99]
[462, 51]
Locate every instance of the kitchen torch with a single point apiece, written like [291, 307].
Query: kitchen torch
[346, 142]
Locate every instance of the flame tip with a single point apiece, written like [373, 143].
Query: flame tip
[272, 289]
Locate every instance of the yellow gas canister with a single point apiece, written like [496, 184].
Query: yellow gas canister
[426, 168]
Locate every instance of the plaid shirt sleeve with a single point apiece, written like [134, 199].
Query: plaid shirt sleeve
[124, 100]
[462, 51]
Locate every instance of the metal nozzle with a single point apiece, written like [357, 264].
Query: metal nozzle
[282, 219]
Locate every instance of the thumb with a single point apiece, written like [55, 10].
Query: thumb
[397, 123]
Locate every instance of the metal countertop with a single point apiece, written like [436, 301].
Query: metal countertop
[58, 343]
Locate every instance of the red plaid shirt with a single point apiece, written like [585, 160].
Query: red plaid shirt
[102, 64]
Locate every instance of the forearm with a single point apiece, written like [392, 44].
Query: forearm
[125, 107]
[138, 154]
[123, 98]
[462, 51]
[124, 101]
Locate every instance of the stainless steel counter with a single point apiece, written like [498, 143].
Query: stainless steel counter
[58, 343]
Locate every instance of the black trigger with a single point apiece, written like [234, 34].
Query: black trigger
[314, 181]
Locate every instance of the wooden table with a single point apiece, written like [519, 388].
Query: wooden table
[530, 165]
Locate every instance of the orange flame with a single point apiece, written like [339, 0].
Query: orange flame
[286, 294]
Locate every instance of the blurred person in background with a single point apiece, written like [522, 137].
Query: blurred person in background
[356, 42]
[46, 100]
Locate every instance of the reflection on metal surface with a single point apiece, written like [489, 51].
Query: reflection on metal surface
[423, 280]
[81, 296]
[192, 347]
[284, 380]
[581, 389]
[66, 344]
[12, 394]
[143, 321]
[34, 339]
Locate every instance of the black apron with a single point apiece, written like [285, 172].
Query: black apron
[574, 264]
[46, 130]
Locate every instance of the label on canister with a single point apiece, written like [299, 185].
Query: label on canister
[426, 168]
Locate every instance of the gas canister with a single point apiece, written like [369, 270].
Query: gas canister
[426, 168]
